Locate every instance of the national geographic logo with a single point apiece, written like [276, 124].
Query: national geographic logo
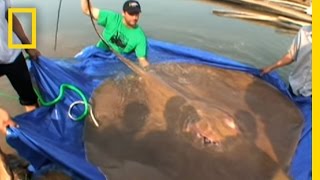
[33, 12]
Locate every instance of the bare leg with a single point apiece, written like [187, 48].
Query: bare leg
[30, 108]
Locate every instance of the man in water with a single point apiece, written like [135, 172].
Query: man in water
[121, 32]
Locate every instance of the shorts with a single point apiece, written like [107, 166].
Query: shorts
[18, 75]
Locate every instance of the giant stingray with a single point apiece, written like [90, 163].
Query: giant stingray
[190, 122]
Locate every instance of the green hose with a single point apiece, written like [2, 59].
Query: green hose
[60, 96]
[63, 87]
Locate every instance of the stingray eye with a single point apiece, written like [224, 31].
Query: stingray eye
[230, 123]
[199, 135]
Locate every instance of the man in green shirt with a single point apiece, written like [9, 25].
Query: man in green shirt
[122, 32]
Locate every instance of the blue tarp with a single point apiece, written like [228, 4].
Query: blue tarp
[48, 136]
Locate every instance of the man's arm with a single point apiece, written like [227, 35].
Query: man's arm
[85, 9]
[285, 60]
[141, 52]
[18, 30]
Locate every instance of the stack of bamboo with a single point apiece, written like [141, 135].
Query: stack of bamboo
[286, 14]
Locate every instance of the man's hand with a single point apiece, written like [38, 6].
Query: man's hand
[33, 53]
[143, 63]
[266, 70]
[5, 121]
[285, 60]
[85, 9]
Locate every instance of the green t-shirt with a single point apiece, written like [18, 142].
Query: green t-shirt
[120, 37]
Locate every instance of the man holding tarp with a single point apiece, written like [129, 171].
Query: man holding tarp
[121, 32]
[12, 61]
[300, 52]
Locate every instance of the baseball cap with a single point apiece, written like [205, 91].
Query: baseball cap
[132, 7]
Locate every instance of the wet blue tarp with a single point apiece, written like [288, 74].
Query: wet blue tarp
[48, 136]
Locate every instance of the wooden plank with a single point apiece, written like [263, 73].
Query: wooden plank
[305, 2]
[243, 14]
[290, 3]
[274, 9]
[256, 17]
[280, 10]
[292, 21]
[298, 7]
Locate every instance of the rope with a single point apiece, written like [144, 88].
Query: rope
[57, 26]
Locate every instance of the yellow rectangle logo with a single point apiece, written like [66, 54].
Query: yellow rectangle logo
[33, 12]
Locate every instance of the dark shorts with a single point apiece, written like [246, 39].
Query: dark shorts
[18, 74]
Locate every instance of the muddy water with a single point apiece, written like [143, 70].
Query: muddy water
[192, 122]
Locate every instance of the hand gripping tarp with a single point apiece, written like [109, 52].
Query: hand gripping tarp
[49, 136]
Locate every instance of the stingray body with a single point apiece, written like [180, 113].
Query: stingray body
[191, 122]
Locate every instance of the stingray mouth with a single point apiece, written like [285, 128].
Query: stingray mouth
[206, 137]
[207, 140]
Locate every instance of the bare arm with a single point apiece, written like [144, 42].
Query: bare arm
[285, 60]
[18, 30]
[85, 9]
